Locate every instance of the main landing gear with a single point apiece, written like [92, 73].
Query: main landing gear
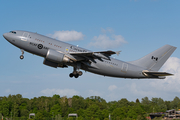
[75, 73]
[22, 56]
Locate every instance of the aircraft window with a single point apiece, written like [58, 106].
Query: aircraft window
[12, 32]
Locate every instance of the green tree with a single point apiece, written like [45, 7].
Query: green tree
[71, 110]
[168, 105]
[92, 112]
[106, 118]
[137, 100]
[158, 105]
[58, 117]
[78, 102]
[135, 111]
[15, 110]
[105, 114]
[112, 105]
[24, 112]
[175, 102]
[119, 113]
[56, 96]
[140, 117]
[123, 103]
[56, 109]
[81, 112]
[0, 115]
[80, 118]
[39, 115]
[145, 101]
[64, 106]
[5, 108]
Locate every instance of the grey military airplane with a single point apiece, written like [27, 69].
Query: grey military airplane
[60, 54]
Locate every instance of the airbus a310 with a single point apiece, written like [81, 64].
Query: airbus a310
[60, 54]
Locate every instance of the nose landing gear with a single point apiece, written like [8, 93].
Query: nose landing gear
[22, 56]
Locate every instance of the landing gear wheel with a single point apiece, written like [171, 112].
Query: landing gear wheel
[71, 75]
[80, 73]
[76, 75]
[21, 57]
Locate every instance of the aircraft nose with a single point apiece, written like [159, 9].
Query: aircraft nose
[5, 35]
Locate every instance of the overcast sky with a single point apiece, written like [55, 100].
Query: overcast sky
[136, 27]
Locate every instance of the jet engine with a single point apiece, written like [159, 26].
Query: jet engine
[57, 57]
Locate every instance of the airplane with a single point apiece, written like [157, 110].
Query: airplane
[57, 53]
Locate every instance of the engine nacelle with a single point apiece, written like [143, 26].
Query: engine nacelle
[50, 63]
[55, 56]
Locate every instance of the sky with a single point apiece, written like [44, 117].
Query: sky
[135, 27]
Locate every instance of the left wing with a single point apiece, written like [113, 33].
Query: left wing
[103, 54]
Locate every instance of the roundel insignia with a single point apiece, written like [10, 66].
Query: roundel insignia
[40, 46]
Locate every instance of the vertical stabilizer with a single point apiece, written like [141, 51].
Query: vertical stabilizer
[155, 60]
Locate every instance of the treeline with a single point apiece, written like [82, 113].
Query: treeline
[91, 108]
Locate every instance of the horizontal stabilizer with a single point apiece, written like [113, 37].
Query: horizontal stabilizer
[151, 73]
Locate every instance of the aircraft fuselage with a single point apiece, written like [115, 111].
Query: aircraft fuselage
[41, 45]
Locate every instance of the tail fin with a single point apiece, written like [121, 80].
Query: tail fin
[155, 60]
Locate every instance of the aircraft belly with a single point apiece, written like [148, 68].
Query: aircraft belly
[100, 72]
[106, 70]
[121, 70]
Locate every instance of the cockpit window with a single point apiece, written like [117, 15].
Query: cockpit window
[13, 32]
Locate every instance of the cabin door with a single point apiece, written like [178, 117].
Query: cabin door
[25, 36]
[124, 67]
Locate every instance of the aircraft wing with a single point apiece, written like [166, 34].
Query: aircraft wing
[102, 54]
[109, 53]
[152, 73]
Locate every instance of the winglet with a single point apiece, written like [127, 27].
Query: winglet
[118, 52]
